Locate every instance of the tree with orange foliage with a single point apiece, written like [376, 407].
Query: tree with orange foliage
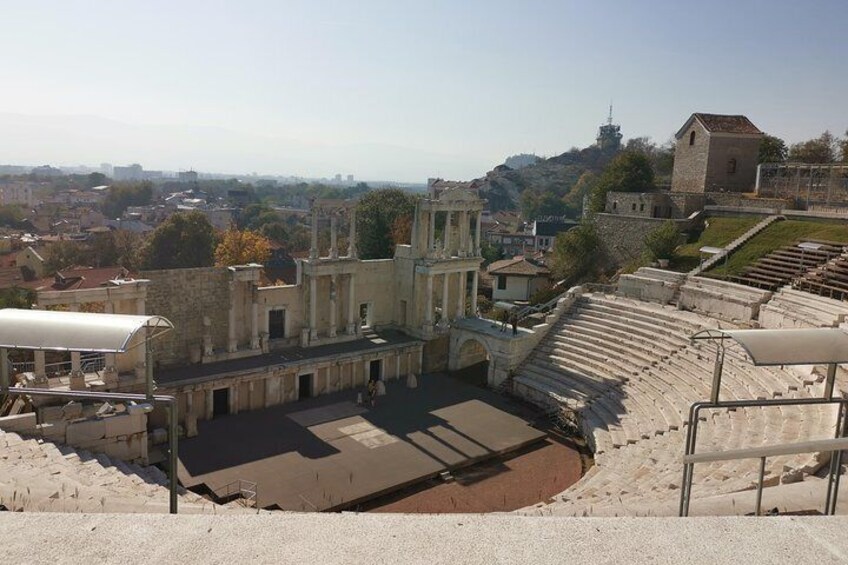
[239, 247]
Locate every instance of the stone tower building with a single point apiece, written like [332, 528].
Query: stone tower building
[716, 152]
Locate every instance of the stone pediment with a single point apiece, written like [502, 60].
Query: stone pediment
[458, 195]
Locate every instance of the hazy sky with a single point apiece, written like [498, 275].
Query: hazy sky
[400, 90]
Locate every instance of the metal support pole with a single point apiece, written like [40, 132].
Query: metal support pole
[759, 504]
[4, 369]
[148, 369]
[719, 364]
[836, 463]
[172, 463]
[829, 382]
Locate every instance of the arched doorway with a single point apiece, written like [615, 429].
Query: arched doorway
[472, 362]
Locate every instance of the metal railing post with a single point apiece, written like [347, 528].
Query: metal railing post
[172, 446]
[759, 503]
[4, 369]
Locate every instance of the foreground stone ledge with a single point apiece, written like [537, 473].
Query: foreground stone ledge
[451, 538]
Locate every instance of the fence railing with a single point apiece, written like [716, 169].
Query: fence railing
[241, 490]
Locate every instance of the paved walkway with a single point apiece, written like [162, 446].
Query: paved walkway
[328, 453]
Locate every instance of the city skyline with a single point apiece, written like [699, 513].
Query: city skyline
[402, 93]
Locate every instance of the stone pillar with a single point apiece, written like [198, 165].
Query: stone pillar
[445, 292]
[332, 306]
[408, 361]
[477, 230]
[313, 247]
[254, 323]
[460, 299]
[463, 233]
[76, 362]
[40, 369]
[352, 322]
[431, 235]
[190, 416]
[474, 283]
[397, 365]
[428, 306]
[313, 308]
[209, 404]
[334, 236]
[234, 399]
[447, 234]
[351, 246]
[77, 378]
[232, 340]
[140, 307]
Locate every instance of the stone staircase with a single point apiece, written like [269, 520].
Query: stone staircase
[735, 244]
[38, 475]
[790, 308]
[631, 373]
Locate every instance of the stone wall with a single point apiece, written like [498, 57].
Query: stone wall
[185, 297]
[653, 204]
[740, 201]
[623, 236]
[690, 161]
[744, 150]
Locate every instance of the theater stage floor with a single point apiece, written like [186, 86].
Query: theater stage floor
[327, 453]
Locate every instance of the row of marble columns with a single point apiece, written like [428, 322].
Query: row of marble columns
[334, 235]
[352, 314]
[461, 286]
[464, 246]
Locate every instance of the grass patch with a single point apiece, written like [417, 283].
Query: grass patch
[718, 233]
[777, 235]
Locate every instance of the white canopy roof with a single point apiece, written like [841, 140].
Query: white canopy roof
[809, 346]
[76, 331]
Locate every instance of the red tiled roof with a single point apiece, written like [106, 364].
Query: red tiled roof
[517, 266]
[80, 278]
[722, 123]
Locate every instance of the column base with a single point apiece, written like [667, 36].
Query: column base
[304, 337]
[313, 335]
[332, 332]
[232, 346]
[77, 381]
[351, 329]
[254, 343]
[427, 329]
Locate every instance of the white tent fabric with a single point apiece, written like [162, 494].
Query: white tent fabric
[76, 331]
[809, 346]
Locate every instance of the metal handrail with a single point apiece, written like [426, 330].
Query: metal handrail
[690, 457]
[169, 401]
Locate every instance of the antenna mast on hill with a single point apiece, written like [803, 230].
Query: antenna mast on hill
[609, 119]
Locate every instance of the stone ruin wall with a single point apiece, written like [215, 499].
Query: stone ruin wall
[185, 297]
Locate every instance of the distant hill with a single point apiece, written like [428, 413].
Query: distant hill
[549, 179]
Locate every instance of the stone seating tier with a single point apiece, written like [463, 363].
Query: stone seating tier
[38, 475]
[630, 371]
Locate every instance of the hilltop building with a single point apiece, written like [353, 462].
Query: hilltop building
[716, 153]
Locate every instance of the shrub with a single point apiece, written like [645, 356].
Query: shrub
[663, 241]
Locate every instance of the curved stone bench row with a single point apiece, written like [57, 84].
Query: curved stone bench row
[37, 475]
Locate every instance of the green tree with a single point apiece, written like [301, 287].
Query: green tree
[629, 171]
[15, 297]
[490, 253]
[577, 254]
[122, 196]
[663, 241]
[377, 214]
[182, 241]
[63, 254]
[822, 149]
[843, 148]
[772, 150]
[96, 179]
[573, 201]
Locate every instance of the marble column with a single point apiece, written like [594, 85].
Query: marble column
[463, 233]
[334, 237]
[460, 294]
[351, 246]
[332, 332]
[254, 323]
[313, 308]
[40, 364]
[232, 339]
[474, 283]
[445, 293]
[352, 322]
[313, 248]
[428, 305]
[447, 234]
[477, 233]
[431, 235]
[209, 404]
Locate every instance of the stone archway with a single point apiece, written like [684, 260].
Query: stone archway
[471, 361]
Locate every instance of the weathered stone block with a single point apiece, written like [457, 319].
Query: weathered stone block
[89, 430]
[22, 423]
